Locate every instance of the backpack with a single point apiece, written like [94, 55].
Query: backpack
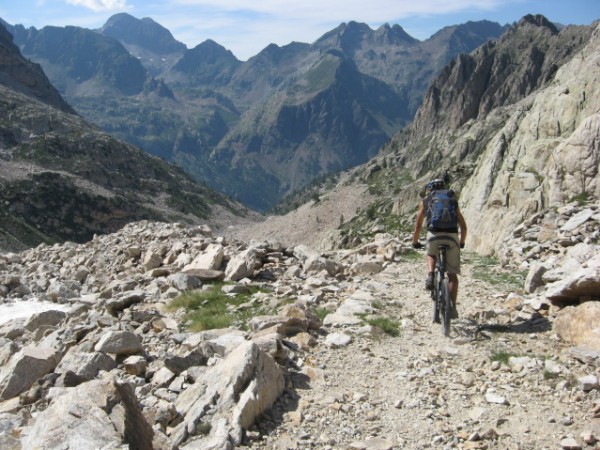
[442, 211]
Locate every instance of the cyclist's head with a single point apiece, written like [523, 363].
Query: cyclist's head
[436, 185]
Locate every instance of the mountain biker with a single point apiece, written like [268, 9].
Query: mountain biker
[448, 236]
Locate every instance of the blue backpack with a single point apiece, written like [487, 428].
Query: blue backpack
[442, 211]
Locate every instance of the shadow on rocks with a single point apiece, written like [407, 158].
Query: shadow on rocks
[479, 331]
[286, 408]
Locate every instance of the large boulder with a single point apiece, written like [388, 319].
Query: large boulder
[25, 367]
[120, 343]
[243, 265]
[244, 385]
[96, 414]
[584, 282]
[580, 325]
[210, 259]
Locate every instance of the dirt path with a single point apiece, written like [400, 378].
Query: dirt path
[423, 390]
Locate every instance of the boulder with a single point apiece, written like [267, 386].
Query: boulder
[120, 302]
[584, 282]
[85, 364]
[24, 368]
[244, 385]
[210, 259]
[242, 265]
[580, 325]
[184, 281]
[45, 318]
[96, 414]
[120, 343]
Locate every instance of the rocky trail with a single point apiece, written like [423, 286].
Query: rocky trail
[337, 350]
[502, 380]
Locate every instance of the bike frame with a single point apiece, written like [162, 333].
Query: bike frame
[440, 294]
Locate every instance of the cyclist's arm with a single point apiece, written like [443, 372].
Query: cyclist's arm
[419, 223]
[463, 227]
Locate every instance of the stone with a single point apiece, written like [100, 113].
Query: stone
[25, 367]
[490, 397]
[206, 275]
[151, 261]
[135, 365]
[117, 304]
[245, 384]
[119, 343]
[570, 444]
[184, 281]
[242, 265]
[580, 325]
[534, 278]
[588, 383]
[577, 220]
[336, 340]
[209, 259]
[85, 364]
[372, 444]
[45, 318]
[96, 414]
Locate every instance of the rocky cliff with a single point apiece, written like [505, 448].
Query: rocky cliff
[513, 125]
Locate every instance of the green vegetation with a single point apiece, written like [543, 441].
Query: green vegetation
[488, 269]
[213, 308]
[322, 313]
[582, 198]
[389, 326]
[502, 356]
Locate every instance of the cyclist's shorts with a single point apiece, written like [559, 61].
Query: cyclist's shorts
[452, 254]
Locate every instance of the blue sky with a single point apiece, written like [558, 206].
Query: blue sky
[246, 27]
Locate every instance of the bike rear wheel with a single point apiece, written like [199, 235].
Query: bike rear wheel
[446, 306]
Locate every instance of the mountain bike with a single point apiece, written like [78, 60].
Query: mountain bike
[440, 294]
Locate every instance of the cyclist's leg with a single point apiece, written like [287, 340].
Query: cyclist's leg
[431, 252]
[453, 282]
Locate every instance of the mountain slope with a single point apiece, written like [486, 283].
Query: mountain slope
[513, 125]
[218, 117]
[63, 179]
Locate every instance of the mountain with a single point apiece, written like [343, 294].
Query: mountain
[145, 39]
[64, 179]
[256, 130]
[25, 76]
[513, 125]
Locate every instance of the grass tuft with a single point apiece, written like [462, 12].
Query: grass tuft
[213, 309]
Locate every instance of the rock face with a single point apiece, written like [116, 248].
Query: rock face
[514, 132]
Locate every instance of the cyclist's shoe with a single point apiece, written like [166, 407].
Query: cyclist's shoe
[429, 282]
[436, 319]
[454, 313]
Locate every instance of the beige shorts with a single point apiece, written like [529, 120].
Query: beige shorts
[452, 254]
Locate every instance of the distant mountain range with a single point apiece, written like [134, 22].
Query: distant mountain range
[255, 130]
[64, 179]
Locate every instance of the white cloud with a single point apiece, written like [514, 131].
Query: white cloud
[100, 5]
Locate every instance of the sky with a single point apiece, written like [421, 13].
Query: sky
[246, 27]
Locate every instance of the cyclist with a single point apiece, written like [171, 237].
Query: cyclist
[449, 236]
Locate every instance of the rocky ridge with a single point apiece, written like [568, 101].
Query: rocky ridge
[110, 366]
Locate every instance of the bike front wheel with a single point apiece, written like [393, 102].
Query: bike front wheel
[446, 306]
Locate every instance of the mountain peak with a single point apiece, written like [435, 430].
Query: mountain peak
[537, 20]
[144, 33]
